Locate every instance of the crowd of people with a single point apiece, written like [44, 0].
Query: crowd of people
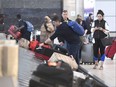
[56, 27]
[96, 29]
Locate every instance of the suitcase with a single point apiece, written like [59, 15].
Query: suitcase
[87, 54]
[46, 52]
[60, 49]
[2, 43]
[33, 44]
[43, 52]
[16, 35]
[52, 76]
[111, 50]
[10, 60]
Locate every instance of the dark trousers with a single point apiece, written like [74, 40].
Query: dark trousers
[96, 47]
[74, 49]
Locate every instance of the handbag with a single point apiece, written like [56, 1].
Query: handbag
[69, 60]
[107, 40]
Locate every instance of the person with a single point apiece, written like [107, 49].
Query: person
[47, 29]
[83, 38]
[100, 29]
[82, 22]
[72, 39]
[89, 21]
[22, 27]
[64, 18]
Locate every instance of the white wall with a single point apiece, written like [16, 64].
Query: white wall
[109, 8]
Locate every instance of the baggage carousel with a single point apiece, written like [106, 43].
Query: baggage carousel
[28, 63]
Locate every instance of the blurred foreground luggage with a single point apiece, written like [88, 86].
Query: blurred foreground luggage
[9, 58]
[52, 75]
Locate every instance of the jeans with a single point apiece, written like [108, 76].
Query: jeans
[73, 49]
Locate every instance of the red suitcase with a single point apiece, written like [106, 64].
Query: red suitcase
[44, 52]
[33, 44]
[12, 29]
[111, 50]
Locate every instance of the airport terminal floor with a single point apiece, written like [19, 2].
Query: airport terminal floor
[28, 63]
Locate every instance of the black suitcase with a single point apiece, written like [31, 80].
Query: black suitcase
[45, 53]
[60, 49]
[51, 76]
[87, 54]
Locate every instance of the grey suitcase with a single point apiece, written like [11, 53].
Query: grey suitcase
[87, 54]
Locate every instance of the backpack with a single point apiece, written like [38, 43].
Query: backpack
[76, 27]
[30, 27]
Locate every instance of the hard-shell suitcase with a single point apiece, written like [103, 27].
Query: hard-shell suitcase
[87, 54]
[111, 50]
[13, 32]
[46, 52]
[9, 55]
[43, 52]
[33, 44]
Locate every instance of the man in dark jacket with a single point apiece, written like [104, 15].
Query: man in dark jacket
[72, 39]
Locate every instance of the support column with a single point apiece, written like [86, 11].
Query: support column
[74, 7]
[80, 7]
[70, 6]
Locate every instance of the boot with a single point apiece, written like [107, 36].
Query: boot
[96, 64]
[101, 65]
[102, 61]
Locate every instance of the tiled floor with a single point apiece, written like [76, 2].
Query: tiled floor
[108, 74]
